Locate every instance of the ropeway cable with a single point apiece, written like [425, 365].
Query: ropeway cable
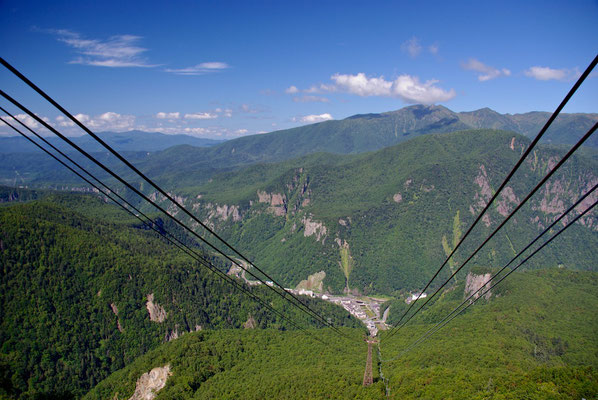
[510, 175]
[300, 304]
[536, 188]
[164, 193]
[446, 320]
[148, 222]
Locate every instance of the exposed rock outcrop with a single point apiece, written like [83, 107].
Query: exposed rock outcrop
[508, 201]
[156, 311]
[484, 195]
[250, 323]
[151, 382]
[474, 282]
[314, 228]
[313, 282]
[223, 212]
[277, 201]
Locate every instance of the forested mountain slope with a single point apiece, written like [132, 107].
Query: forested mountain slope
[121, 141]
[358, 134]
[534, 338]
[384, 221]
[84, 291]
[353, 135]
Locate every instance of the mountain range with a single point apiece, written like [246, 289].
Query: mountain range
[356, 206]
[121, 141]
[380, 222]
[174, 157]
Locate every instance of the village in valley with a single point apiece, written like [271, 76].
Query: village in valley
[365, 308]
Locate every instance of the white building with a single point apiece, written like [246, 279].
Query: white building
[414, 297]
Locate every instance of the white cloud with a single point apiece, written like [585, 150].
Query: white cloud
[311, 119]
[171, 115]
[310, 99]
[361, 85]
[213, 65]
[411, 90]
[200, 69]
[111, 121]
[226, 112]
[547, 73]
[28, 120]
[433, 49]
[62, 121]
[108, 121]
[486, 72]
[196, 131]
[406, 87]
[201, 115]
[241, 131]
[83, 118]
[316, 89]
[412, 47]
[292, 90]
[116, 51]
[248, 109]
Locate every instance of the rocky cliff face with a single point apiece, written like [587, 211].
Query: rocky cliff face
[150, 383]
[156, 311]
[474, 282]
[303, 216]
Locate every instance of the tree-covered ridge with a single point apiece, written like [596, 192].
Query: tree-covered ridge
[186, 165]
[252, 365]
[534, 338]
[397, 211]
[76, 292]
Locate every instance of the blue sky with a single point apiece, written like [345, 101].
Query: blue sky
[228, 69]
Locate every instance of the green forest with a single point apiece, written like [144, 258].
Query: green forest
[513, 345]
[78, 273]
[92, 299]
[399, 209]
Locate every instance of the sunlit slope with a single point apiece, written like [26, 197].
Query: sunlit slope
[84, 290]
[253, 365]
[395, 214]
[535, 338]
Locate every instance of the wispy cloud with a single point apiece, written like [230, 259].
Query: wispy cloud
[311, 119]
[547, 73]
[291, 90]
[116, 51]
[310, 99]
[412, 47]
[485, 72]
[170, 115]
[200, 69]
[201, 115]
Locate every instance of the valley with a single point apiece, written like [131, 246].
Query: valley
[311, 216]
[287, 200]
[354, 236]
[364, 308]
